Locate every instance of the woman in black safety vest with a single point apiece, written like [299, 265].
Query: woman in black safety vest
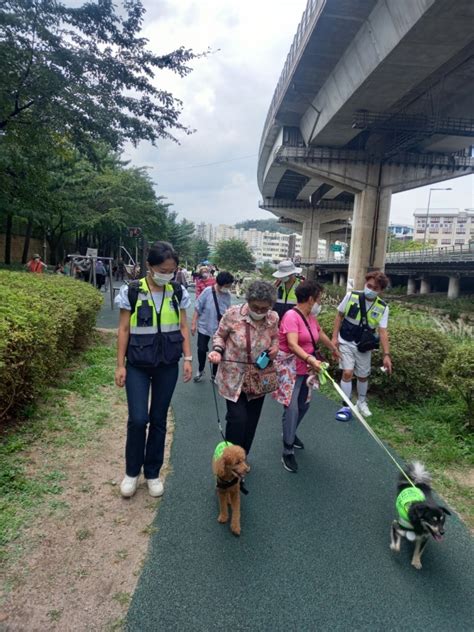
[153, 334]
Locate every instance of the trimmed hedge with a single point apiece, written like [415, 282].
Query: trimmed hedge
[42, 319]
[417, 355]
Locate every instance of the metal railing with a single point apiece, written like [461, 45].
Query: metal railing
[309, 18]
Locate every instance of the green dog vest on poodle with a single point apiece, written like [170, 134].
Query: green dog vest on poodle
[220, 447]
[405, 499]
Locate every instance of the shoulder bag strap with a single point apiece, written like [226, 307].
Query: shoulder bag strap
[214, 296]
[158, 313]
[249, 346]
[363, 310]
[307, 326]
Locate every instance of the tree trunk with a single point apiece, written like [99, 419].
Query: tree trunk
[26, 244]
[8, 239]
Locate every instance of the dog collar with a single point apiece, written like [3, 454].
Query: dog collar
[221, 484]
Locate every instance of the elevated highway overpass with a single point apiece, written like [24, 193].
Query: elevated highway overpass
[375, 97]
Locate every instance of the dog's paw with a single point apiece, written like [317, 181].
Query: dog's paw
[416, 564]
[235, 531]
[222, 519]
[395, 547]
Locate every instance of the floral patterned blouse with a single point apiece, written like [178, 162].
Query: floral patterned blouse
[231, 336]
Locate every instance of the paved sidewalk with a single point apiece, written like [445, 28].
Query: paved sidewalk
[314, 550]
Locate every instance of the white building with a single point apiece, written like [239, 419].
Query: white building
[205, 231]
[445, 226]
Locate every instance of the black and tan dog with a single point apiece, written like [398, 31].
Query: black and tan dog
[419, 515]
[230, 467]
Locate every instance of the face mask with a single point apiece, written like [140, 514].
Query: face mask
[162, 279]
[370, 294]
[224, 290]
[316, 309]
[204, 275]
[285, 279]
[255, 315]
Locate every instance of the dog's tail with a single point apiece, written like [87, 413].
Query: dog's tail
[418, 473]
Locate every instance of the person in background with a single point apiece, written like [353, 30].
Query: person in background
[153, 334]
[59, 269]
[182, 277]
[35, 265]
[211, 305]
[100, 273]
[347, 326]
[204, 280]
[299, 333]
[286, 284]
[229, 351]
[120, 274]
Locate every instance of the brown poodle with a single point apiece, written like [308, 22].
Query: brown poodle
[230, 467]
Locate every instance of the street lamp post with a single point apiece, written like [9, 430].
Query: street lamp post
[428, 208]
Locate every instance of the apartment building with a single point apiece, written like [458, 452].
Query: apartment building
[444, 227]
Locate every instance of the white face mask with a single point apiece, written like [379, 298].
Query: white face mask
[370, 294]
[162, 279]
[285, 279]
[256, 315]
[224, 290]
[315, 310]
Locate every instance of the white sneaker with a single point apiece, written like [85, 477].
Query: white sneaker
[129, 486]
[363, 409]
[155, 487]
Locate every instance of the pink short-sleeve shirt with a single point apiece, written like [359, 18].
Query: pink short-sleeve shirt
[293, 323]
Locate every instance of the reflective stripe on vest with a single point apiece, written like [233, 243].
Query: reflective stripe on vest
[374, 313]
[168, 317]
[284, 297]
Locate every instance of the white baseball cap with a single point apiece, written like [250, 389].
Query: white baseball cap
[286, 268]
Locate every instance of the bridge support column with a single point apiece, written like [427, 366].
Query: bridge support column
[335, 278]
[310, 240]
[453, 287]
[342, 280]
[369, 231]
[425, 287]
[411, 286]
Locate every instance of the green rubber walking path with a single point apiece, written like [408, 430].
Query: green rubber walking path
[314, 551]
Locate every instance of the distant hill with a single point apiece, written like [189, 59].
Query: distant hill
[271, 225]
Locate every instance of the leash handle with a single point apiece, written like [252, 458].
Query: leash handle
[372, 433]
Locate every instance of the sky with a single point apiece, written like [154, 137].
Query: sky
[226, 99]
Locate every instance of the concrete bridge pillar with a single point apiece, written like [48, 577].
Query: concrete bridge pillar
[411, 286]
[425, 287]
[310, 240]
[453, 287]
[342, 280]
[369, 231]
[335, 278]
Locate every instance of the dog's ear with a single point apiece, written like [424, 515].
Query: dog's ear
[220, 467]
[446, 511]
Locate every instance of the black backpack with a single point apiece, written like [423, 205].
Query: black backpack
[134, 290]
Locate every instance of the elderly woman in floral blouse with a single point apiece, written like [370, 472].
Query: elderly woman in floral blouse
[230, 352]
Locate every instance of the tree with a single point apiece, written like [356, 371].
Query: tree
[234, 254]
[399, 245]
[271, 225]
[85, 72]
[200, 250]
[458, 376]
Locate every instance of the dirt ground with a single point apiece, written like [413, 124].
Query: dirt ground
[78, 571]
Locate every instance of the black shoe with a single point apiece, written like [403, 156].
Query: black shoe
[298, 444]
[289, 463]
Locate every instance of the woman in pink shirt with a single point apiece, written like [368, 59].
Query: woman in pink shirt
[204, 280]
[299, 333]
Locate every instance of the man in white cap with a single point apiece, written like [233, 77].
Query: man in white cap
[286, 285]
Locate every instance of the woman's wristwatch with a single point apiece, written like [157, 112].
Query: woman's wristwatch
[188, 358]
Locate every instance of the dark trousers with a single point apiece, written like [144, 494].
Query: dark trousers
[202, 349]
[294, 413]
[142, 449]
[242, 419]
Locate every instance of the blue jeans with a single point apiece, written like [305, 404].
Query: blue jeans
[294, 413]
[144, 450]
